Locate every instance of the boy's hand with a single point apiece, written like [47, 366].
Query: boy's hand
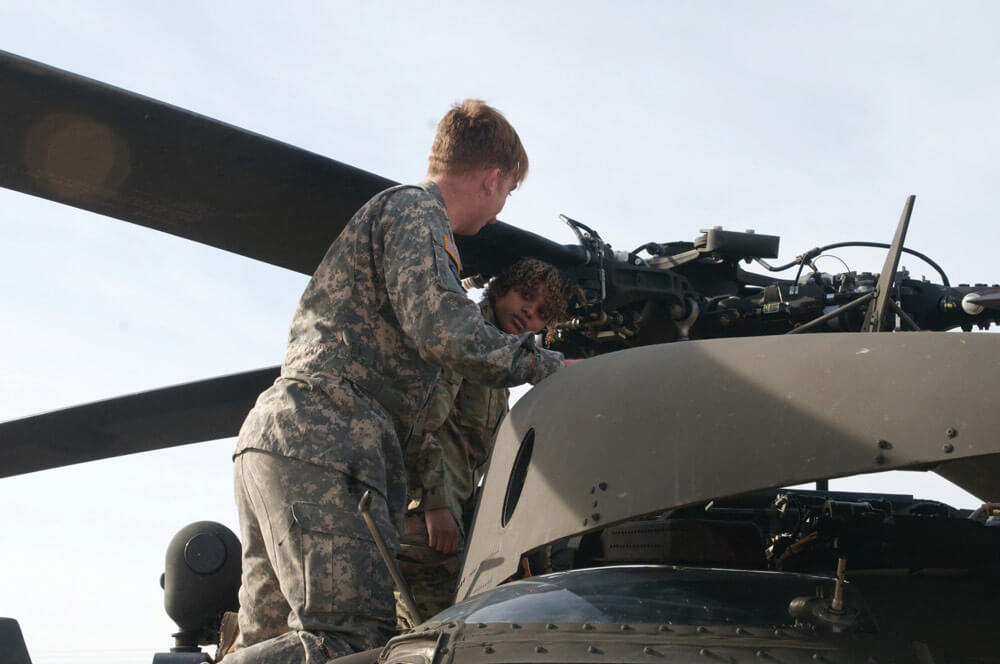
[442, 531]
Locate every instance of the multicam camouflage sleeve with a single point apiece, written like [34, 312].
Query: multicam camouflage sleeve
[422, 281]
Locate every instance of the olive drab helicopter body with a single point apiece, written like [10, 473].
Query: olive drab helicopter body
[632, 509]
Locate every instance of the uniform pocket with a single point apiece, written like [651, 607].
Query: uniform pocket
[341, 568]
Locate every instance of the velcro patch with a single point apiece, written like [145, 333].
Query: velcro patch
[452, 253]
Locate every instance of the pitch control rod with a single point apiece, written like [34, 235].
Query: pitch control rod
[364, 507]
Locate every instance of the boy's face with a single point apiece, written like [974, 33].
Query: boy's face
[517, 314]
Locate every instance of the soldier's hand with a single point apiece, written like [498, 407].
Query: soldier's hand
[442, 531]
[570, 362]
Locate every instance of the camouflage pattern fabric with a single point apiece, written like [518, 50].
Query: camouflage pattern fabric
[443, 471]
[382, 312]
[309, 563]
[431, 576]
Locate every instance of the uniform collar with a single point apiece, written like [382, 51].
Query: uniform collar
[432, 189]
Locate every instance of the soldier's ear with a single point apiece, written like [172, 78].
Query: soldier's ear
[491, 180]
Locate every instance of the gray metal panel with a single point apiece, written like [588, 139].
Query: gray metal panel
[678, 424]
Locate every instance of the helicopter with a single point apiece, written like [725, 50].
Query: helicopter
[630, 303]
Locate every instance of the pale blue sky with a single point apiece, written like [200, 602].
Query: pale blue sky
[645, 120]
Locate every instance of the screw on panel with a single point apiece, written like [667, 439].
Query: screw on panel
[624, 628]
[740, 631]
[664, 628]
[818, 657]
[593, 489]
[488, 650]
[515, 626]
[596, 516]
[593, 650]
[540, 649]
[551, 626]
[879, 459]
[702, 630]
[704, 652]
[595, 504]
[588, 626]
[948, 448]
[951, 432]
[884, 445]
[603, 486]
[585, 522]
[481, 625]
[761, 653]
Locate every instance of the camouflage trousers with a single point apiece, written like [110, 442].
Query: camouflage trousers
[431, 576]
[313, 585]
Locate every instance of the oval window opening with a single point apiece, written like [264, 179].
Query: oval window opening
[517, 475]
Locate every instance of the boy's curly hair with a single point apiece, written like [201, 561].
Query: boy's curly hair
[528, 275]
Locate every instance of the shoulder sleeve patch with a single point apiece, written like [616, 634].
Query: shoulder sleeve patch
[452, 253]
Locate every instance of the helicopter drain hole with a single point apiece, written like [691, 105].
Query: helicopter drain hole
[517, 474]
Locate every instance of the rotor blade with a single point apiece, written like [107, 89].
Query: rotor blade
[500, 244]
[80, 142]
[178, 415]
[76, 141]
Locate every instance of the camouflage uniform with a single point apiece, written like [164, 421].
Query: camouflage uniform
[443, 471]
[382, 312]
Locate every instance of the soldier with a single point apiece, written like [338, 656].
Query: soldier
[461, 417]
[382, 312]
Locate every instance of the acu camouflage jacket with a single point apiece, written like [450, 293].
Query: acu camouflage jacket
[383, 312]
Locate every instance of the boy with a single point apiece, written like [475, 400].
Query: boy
[461, 418]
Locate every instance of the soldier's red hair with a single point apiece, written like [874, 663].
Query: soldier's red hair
[473, 136]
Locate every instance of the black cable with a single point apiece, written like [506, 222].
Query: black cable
[799, 260]
[883, 245]
[798, 273]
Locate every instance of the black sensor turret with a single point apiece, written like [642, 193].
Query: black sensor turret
[200, 582]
